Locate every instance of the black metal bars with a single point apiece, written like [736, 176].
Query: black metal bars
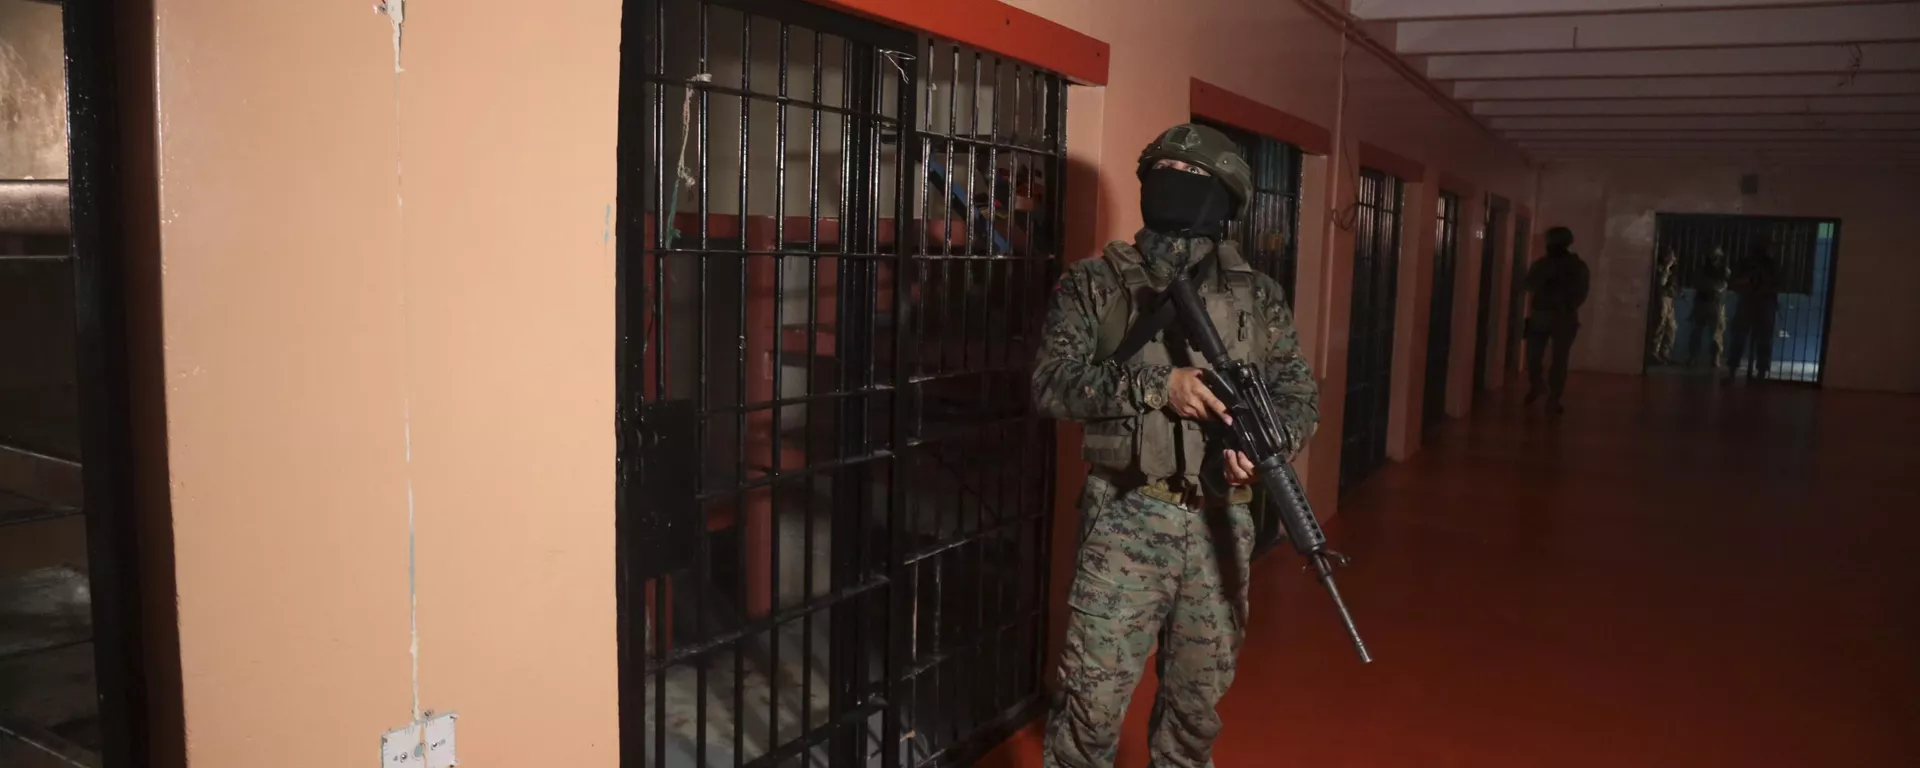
[1269, 234]
[1446, 260]
[992, 157]
[835, 241]
[1517, 290]
[1493, 224]
[1376, 272]
[1805, 252]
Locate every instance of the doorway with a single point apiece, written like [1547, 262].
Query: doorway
[1446, 251]
[1376, 270]
[1269, 235]
[1517, 291]
[72, 676]
[835, 504]
[1806, 254]
[1483, 316]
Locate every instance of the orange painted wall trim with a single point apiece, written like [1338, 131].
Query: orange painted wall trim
[1377, 158]
[1459, 186]
[1216, 103]
[994, 26]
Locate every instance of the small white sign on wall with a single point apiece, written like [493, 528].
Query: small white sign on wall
[401, 748]
[421, 745]
[440, 741]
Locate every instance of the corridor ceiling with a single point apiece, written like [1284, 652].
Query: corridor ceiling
[1739, 79]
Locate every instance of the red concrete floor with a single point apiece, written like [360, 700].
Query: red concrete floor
[1674, 574]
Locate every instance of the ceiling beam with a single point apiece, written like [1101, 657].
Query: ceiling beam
[1680, 136]
[1782, 60]
[1709, 123]
[1876, 154]
[1895, 146]
[1879, 84]
[1787, 105]
[1690, 29]
[1419, 10]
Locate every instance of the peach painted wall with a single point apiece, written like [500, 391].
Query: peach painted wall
[387, 310]
[1610, 205]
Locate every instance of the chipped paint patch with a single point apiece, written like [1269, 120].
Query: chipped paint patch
[396, 13]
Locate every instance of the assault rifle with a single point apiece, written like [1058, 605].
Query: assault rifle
[1256, 432]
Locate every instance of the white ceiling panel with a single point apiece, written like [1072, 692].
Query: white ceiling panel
[1693, 29]
[1772, 60]
[1884, 84]
[1407, 10]
[1740, 76]
[1838, 105]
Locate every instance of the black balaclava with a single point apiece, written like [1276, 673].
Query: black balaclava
[1559, 241]
[1184, 213]
[1181, 203]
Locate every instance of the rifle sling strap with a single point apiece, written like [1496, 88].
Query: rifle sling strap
[1145, 327]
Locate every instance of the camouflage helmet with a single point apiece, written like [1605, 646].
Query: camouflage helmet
[1207, 148]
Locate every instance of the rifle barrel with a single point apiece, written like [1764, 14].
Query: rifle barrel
[1325, 568]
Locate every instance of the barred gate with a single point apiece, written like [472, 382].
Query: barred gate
[1446, 260]
[1495, 221]
[836, 241]
[1806, 251]
[1376, 273]
[1269, 234]
[1517, 290]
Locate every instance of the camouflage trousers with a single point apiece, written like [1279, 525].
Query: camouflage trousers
[1149, 570]
[1664, 331]
[1710, 332]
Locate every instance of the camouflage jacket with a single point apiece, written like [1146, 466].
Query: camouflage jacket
[1069, 384]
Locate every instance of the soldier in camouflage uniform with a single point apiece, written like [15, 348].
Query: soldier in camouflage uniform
[1667, 287]
[1709, 311]
[1158, 555]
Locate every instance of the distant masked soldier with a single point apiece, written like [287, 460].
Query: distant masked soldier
[1666, 288]
[1709, 310]
[1158, 554]
[1758, 283]
[1556, 287]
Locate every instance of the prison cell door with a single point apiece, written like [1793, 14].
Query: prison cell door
[1269, 233]
[1483, 316]
[1269, 237]
[1517, 293]
[834, 503]
[1446, 249]
[1376, 268]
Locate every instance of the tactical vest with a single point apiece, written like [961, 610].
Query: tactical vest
[1158, 444]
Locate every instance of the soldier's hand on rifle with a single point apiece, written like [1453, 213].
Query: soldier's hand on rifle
[1190, 398]
[1239, 469]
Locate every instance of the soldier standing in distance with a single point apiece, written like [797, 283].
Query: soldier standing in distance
[1758, 283]
[1666, 286]
[1557, 286]
[1157, 552]
[1709, 310]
